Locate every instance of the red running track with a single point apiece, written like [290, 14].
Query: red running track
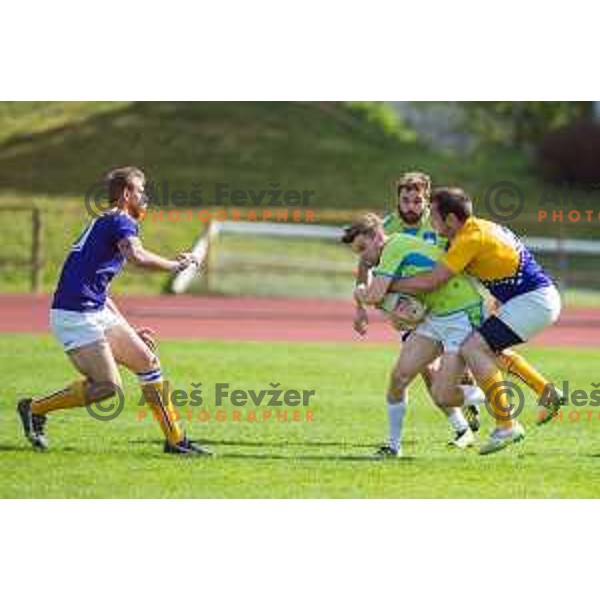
[262, 319]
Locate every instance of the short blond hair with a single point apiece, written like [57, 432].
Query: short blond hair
[367, 224]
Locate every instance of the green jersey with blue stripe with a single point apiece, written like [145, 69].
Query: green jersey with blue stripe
[392, 223]
[407, 255]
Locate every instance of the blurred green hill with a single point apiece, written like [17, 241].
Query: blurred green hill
[349, 153]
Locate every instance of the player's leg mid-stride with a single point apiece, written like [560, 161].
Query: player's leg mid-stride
[527, 297]
[95, 335]
[438, 326]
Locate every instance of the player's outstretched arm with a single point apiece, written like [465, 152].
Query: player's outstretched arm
[135, 253]
[427, 282]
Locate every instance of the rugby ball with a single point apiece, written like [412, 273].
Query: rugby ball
[403, 311]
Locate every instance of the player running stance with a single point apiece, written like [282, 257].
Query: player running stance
[412, 217]
[529, 301]
[95, 335]
[453, 311]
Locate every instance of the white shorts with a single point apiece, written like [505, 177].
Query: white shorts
[76, 329]
[529, 313]
[450, 331]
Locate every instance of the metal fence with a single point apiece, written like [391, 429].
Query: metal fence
[572, 262]
[25, 250]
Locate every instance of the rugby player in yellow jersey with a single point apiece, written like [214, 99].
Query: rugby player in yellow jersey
[529, 301]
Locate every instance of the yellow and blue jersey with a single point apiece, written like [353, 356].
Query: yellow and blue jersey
[497, 257]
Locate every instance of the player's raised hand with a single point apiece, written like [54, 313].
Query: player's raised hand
[185, 259]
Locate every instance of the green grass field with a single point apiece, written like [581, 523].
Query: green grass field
[329, 457]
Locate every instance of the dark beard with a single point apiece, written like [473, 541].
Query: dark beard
[410, 218]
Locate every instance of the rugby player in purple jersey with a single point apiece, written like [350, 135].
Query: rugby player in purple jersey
[95, 335]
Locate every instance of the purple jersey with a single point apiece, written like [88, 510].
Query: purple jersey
[93, 262]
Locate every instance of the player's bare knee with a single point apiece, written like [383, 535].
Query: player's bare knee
[473, 345]
[102, 393]
[442, 393]
[150, 363]
[398, 385]
[98, 390]
[396, 397]
[437, 393]
[428, 374]
[154, 361]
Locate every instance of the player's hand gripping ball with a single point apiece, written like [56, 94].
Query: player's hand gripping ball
[402, 311]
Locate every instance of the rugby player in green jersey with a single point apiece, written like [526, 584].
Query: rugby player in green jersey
[412, 218]
[452, 313]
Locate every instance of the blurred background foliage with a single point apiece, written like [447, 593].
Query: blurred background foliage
[348, 153]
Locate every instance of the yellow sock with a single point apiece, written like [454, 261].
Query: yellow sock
[516, 365]
[70, 397]
[495, 392]
[157, 396]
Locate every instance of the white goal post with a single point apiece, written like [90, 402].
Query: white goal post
[182, 281]
[202, 248]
